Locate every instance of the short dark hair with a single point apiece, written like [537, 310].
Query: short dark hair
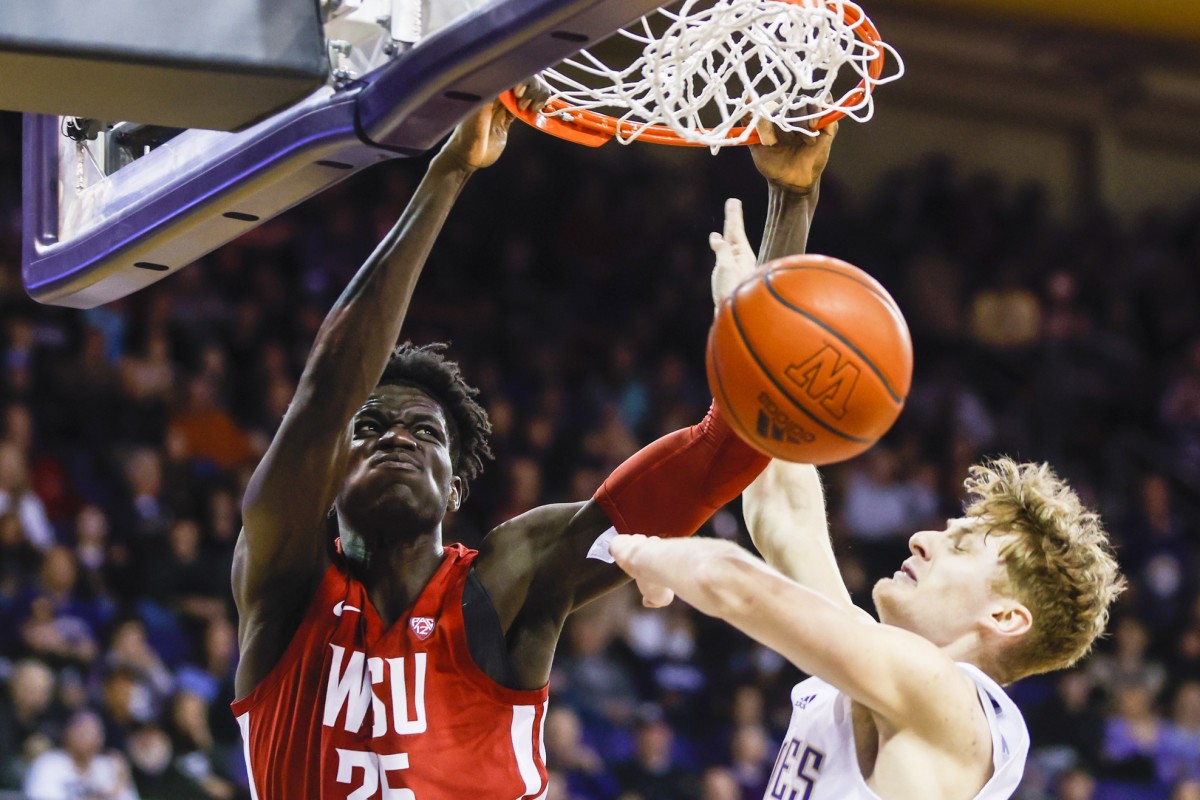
[425, 368]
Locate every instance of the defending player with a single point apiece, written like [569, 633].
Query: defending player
[399, 668]
[911, 709]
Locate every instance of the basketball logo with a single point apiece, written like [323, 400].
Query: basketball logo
[827, 378]
[810, 359]
[774, 423]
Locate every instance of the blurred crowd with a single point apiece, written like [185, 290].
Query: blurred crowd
[573, 286]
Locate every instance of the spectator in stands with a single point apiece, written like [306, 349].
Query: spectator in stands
[751, 756]
[1134, 736]
[29, 722]
[652, 773]
[210, 675]
[579, 767]
[131, 653]
[17, 497]
[151, 763]
[91, 390]
[195, 750]
[210, 433]
[1076, 784]
[1070, 725]
[19, 560]
[127, 702]
[1179, 411]
[56, 622]
[1129, 662]
[1185, 658]
[182, 578]
[92, 550]
[147, 517]
[80, 768]
[17, 378]
[718, 783]
[1159, 556]
[1179, 758]
[590, 678]
[881, 505]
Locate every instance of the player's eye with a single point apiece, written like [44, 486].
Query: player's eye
[365, 427]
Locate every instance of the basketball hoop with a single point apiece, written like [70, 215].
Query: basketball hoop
[709, 72]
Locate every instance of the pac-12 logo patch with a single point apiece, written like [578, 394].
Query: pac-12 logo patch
[422, 627]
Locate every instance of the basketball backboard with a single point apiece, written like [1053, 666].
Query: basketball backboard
[111, 207]
[221, 64]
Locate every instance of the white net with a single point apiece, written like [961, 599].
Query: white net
[716, 69]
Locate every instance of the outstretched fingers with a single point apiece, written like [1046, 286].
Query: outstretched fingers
[735, 258]
[735, 227]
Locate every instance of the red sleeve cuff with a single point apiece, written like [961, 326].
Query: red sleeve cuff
[672, 486]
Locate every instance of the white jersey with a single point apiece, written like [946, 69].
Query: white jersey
[818, 760]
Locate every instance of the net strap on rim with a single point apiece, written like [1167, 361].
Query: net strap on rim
[736, 62]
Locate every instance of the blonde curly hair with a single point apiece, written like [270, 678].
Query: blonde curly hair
[1060, 564]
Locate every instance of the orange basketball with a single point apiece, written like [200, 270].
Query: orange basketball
[810, 359]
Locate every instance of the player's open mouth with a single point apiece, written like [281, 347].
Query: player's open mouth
[906, 570]
[393, 462]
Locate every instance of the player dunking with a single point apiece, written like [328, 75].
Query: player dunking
[400, 668]
[911, 709]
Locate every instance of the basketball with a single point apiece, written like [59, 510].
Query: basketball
[810, 359]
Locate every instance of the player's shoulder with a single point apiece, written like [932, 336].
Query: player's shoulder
[924, 691]
[1002, 712]
[987, 687]
[1008, 731]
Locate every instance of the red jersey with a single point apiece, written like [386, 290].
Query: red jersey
[356, 711]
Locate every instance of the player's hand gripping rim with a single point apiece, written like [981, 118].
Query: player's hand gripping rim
[479, 139]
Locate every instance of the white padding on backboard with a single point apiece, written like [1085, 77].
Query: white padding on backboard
[406, 20]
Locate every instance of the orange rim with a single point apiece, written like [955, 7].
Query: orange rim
[592, 128]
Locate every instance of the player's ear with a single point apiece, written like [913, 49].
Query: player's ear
[1011, 618]
[456, 494]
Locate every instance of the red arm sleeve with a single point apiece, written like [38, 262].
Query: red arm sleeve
[670, 487]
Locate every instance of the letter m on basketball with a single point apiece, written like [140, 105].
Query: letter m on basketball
[827, 379]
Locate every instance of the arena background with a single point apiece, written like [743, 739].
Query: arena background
[1030, 193]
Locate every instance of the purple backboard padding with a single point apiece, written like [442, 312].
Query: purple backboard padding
[51, 263]
[402, 109]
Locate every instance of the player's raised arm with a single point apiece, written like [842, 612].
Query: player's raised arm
[901, 677]
[555, 558]
[785, 506]
[793, 164]
[280, 553]
[785, 515]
